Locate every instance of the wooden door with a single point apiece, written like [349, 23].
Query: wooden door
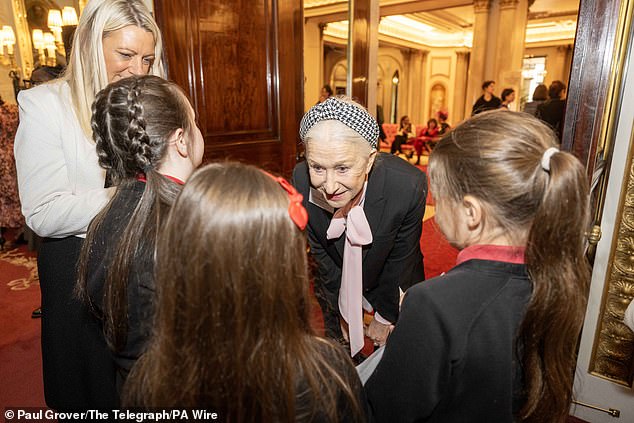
[241, 63]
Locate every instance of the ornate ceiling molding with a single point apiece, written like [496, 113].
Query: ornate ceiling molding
[481, 6]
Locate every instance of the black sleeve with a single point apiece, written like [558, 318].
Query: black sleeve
[412, 376]
[404, 265]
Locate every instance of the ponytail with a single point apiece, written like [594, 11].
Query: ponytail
[538, 195]
[560, 273]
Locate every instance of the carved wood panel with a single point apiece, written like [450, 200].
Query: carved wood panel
[241, 63]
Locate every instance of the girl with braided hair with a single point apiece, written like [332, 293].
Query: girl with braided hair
[494, 339]
[62, 188]
[147, 139]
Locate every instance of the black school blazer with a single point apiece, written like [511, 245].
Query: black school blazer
[394, 206]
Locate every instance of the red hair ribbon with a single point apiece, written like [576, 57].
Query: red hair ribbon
[296, 210]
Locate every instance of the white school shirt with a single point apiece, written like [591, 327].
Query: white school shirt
[60, 182]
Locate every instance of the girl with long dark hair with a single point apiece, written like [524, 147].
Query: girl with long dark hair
[232, 329]
[494, 339]
[147, 139]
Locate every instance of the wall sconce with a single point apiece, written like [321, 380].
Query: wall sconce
[38, 44]
[69, 16]
[7, 38]
[55, 24]
[49, 45]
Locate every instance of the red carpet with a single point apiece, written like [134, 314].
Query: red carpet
[20, 353]
[438, 255]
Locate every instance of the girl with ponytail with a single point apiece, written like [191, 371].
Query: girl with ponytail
[147, 140]
[494, 339]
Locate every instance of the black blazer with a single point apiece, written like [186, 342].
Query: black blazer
[394, 206]
[452, 356]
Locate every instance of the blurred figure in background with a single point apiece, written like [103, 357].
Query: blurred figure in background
[539, 96]
[325, 93]
[552, 110]
[507, 97]
[10, 213]
[488, 100]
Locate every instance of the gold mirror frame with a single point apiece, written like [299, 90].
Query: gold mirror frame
[613, 349]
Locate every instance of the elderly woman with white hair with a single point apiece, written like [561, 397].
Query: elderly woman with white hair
[62, 188]
[365, 220]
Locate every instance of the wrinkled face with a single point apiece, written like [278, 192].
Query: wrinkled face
[128, 51]
[338, 167]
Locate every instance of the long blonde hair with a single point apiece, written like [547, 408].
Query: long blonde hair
[86, 70]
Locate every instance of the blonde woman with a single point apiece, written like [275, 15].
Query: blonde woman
[62, 186]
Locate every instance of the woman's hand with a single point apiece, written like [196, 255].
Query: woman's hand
[378, 332]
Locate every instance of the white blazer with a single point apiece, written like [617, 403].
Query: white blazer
[60, 182]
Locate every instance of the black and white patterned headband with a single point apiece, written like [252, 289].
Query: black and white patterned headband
[354, 117]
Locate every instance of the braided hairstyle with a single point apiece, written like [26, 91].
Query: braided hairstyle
[132, 123]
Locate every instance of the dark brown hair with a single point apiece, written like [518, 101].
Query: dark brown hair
[496, 157]
[555, 89]
[132, 121]
[540, 93]
[232, 328]
[400, 125]
[506, 92]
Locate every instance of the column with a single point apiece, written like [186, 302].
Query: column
[478, 52]
[510, 48]
[417, 89]
[313, 63]
[364, 16]
[23, 47]
[460, 88]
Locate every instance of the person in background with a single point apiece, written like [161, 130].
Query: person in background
[442, 122]
[485, 342]
[10, 215]
[149, 154]
[539, 96]
[488, 100]
[326, 92]
[232, 330]
[427, 139]
[507, 97]
[62, 189]
[406, 132]
[552, 110]
[365, 221]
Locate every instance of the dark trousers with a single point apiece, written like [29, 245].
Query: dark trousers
[399, 140]
[79, 372]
